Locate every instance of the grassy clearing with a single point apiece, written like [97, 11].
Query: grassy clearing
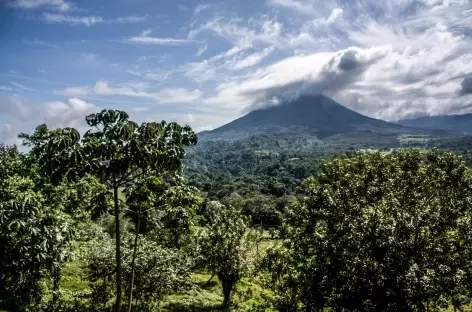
[250, 293]
[203, 296]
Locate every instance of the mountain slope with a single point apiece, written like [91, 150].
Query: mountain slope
[311, 116]
[457, 124]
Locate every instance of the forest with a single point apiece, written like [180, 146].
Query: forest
[144, 217]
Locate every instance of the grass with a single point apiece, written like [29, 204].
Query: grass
[249, 294]
[74, 278]
[203, 296]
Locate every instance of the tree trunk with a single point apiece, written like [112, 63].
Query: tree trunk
[227, 288]
[118, 249]
[133, 264]
[212, 276]
[56, 272]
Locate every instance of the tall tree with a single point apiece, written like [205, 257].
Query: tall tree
[165, 211]
[115, 149]
[381, 232]
[38, 222]
[225, 245]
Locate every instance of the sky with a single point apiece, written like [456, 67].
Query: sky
[207, 62]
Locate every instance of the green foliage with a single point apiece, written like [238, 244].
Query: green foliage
[167, 209]
[38, 223]
[225, 245]
[158, 272]
[116, 150]
[380, 232]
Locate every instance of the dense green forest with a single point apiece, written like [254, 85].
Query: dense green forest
[130, 217]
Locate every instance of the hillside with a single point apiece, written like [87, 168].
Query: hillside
[457, 124]
[308, 116]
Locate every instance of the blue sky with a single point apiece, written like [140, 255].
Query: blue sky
[204, 63]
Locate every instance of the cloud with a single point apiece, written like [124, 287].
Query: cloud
[17, 108]
[71, 20]
[60, 5]
[88, 21]
[466, 86]
[202, 50]
[68, 114]
[139, 109]
[146, 32]
[200, 8]
[266, 31]
[158, 41]
[127, 20]
[25, 114]
[22, 87]
[77, 91]
[102, 88]
[40, 43]
[303, 7]
[5, 88]
[176, 95]
[139, 90]
[311, 74]
[144, 38]
[335, 15]
[253, 59]
[89, 57]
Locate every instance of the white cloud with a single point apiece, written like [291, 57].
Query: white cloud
[88, 20]
[146, 32]
[335, 15]
[71, 20]
[176, 95]
[41, 71]
[139, 90]
[202, 50]
[102, 88]
[253, 59]
[140, 109]
[88, 57]
[20, 86]
[156, 40]
[303, 7]
[200, 8]
[5, 88]
[40, 43]
[17, 108]
[25, 114]
[266, 31]
[127, 20]
[68, 114]
[33, 4]
[77, 91]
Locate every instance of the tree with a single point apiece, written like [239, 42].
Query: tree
[117, 151]
[381, 232]
[38, 222]
[157, 271]
[225, 245]
[164, 210]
